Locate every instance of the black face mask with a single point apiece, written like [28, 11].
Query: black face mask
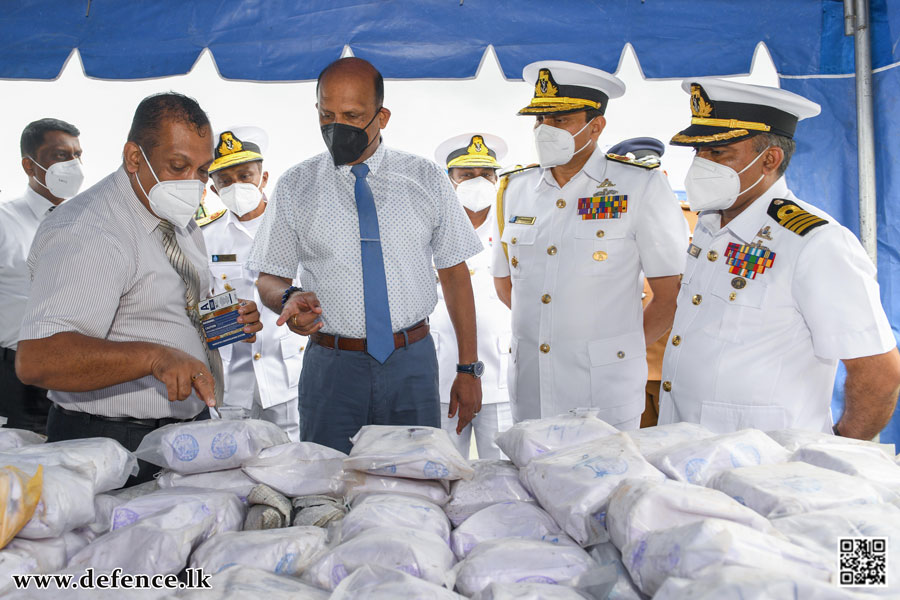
[347, 143]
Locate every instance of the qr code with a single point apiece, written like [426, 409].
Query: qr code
[862, 561]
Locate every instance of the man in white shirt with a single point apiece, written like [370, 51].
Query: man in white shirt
[113, 328]
[472, 160]
[51, 157]
[576, 235]
[775, 291]
[365, 224]
[260, 378]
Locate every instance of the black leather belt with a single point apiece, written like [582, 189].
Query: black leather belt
[9, 354]
[149, 423]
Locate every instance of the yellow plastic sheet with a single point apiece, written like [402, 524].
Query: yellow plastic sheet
[19, 496]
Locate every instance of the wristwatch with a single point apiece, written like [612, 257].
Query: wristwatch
[475, 369]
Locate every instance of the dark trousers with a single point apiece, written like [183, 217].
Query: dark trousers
[69, 426]
[24, 406]
[341, 391]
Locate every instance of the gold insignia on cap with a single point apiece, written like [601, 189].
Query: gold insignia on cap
[700, 106]
[228, 144]
[545, 87]
[477, 147]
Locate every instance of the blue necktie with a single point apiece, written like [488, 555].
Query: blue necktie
[379, 334]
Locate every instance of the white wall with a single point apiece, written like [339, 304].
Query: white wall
[424, 113]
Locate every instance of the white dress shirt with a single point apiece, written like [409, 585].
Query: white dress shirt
[313, 222]
[99, 268]
[269, 368]
[763, 352]
[19, 220]
[492, 322]
[577, 321]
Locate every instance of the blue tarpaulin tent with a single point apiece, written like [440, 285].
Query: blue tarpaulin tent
[282, 40]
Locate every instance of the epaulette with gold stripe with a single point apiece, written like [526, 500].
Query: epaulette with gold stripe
[631, 161]
[517, 169]
[207, 219]
[789, 215]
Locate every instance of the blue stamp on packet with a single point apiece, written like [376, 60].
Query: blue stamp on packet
[435, 470]
[123, 517]
[185, 447]
[223, 445]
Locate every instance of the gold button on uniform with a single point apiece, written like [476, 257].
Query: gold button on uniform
[551, 250]
[514, 262]
[600, 233]
[676, 340]
[667, 386]
[600, 255]
[302, 348]
[620, 354]
[560, 203]
[697, 299]
[228, 288]
[732, 296]
[545, 298]
[256, 283]
[224, 276]
[545, 348]
[514, 240]
[471, 271]
[257, 356]
[712, 255]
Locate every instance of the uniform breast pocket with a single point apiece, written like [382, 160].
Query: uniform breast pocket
[519, 240]
[227, 274]
[599, 246]
[742, 313]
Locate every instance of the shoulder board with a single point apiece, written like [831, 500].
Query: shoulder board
[518, 169]
[630, 161]
[206, 220]
[789, 215]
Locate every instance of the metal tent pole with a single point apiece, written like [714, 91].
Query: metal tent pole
[856, 23]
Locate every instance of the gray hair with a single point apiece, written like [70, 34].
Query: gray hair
[764, 140]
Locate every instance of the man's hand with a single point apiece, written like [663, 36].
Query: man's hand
[182, 373]
[465, 398]
[302, 313]
[248, 314]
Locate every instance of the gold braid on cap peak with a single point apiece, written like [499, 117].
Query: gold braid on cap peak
[730, 123]
[703, 139]
[564, 101]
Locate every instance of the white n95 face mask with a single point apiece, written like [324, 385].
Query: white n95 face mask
[556, 146]
[476, 194]
[63, 179]
[711, 186]
[240, 198]
[175, 200]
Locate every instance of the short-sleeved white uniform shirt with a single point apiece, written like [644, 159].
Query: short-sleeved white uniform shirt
[313, 222]
[576, 255]
[760, 348]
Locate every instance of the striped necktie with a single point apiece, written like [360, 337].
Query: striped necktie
[379, 334]
[185, 268]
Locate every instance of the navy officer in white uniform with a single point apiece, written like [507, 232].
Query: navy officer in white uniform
[577, 233]
[775, 291]
[472, 161]
[260, 378]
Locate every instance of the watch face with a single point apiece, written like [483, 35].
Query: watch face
[478, 369]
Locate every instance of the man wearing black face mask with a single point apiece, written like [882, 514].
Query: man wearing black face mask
[364, 223]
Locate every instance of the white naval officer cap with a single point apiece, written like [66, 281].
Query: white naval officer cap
[725, 112]
[238, 145]
[471, 150]
[562, 87]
